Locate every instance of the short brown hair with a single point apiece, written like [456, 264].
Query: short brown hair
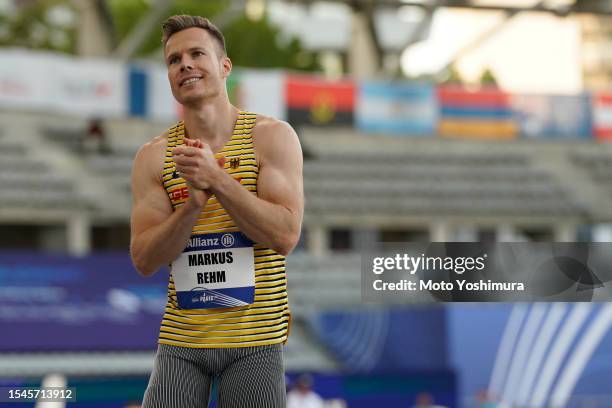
[182, 22]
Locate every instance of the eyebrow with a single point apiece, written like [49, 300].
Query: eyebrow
[174, 54]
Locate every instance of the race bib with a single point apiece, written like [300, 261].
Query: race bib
[215, 270]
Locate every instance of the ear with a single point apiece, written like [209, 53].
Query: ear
[226, 66]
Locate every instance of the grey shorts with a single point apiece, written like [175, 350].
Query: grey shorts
[248, 377]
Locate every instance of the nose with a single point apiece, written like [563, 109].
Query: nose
[186, 64]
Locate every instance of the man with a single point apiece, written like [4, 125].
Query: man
[303, 396]
[220, 198]
[425, 400]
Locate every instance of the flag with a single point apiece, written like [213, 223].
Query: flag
[481, 114]
[315, 101]
[404, 108]
[602, 115]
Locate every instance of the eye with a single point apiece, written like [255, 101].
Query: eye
[173, 60]
[198, 53]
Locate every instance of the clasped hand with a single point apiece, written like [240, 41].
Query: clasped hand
[196, 163]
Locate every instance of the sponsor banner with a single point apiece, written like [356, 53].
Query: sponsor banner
[396, 108]
[161, 103]
[602, 115]
[24, 79]
[478, 272]
[59, 83]
[553, 117]
[90, 87]
[314, 101]
[262, 92]
[138, 90]
[61, 303]
[482, 114]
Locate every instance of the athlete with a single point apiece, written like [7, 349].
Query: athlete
[219, 197]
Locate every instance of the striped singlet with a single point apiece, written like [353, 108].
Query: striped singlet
[266, 320]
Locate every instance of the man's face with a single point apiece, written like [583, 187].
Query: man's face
[196, 69]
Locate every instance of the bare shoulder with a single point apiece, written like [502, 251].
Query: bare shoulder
[150, 156]
[268, 127]
[154, 146]
[272, 136]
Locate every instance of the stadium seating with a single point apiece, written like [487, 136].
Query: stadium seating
[323, 282]
[598, 165]
[396, 184]
[347, 175]
[27, 182]
[70, 136]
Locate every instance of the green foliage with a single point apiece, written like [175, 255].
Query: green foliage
[126, 15]
[250, 43]
[31, 27]
[453, 76]
[488, 78]
[259, 44]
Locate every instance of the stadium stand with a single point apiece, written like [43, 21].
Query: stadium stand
[449, 163]
[598, 165]
[28, 182]
[351, 179]
[402, 181]
[323, 282]
[424, 177]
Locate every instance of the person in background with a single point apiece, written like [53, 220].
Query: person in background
[425, 400]
[484, 400]
[96, 140]
[302, 395]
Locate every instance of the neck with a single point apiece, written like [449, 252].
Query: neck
[211, 123]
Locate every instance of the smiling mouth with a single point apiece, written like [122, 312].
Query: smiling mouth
[190, 81]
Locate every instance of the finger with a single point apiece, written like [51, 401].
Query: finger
[192, 142]
[187, 164]
[186, 161]
[221, 161]
[187, 177]
[185, 151]
[197, 143]
[182, 150]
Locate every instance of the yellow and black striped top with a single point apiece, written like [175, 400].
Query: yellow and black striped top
[266, 320]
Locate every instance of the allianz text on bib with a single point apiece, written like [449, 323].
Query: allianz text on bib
[214, 271]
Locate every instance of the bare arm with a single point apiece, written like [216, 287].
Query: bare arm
[158, 235]
[274, 217]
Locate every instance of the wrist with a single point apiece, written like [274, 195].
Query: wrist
[197, 199]
[218, 180]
